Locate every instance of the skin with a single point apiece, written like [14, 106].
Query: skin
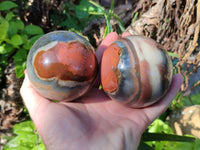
[94, 121]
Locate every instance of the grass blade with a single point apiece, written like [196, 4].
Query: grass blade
[166, 137]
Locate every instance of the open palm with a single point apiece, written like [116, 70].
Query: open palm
[94, 121]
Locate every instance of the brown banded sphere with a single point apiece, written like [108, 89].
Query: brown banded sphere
[62, 65]
[136, 71]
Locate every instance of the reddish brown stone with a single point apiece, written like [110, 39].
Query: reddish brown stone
[66, 61]
[109, 71]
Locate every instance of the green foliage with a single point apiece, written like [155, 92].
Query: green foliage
[135, 17]
[182, 101]
[173, 145]
[33, 30]
[159, 126]
[108, 16]
[166, 137]
[173, 55]
[6, 5]
[185, 146]
[26, 138]
[15, 38]
[76, 17]
[159, 136]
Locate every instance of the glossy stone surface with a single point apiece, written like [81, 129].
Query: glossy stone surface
[62, 65]
[136, 71]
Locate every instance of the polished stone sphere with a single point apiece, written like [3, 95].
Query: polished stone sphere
[62, 65]
[136, 71]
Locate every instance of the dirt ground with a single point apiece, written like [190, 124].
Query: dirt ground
[174, 24]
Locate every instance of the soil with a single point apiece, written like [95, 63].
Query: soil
[174, 24]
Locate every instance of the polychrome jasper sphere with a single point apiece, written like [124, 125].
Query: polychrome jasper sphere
[136, 71]
[62, 65]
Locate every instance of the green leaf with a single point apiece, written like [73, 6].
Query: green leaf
[39, 147]
[121, 26]
[135, 17]
[16, 40]
[173, 54]
[144, 146]
[7, 137]
[4, 25]
[85, 8]
[6, 5]
[71, 23]
[120, 23]
[22, 142]
[34, 38]
[20, 55]
[100, 8]
[33, 30]
[20, 25]
[166, 137]
[5, 48]
[186, 101]
[19, 69]
[100, 87]
[24, 128]
[26, 42]
[108, 25]
[81, 10]
[158, 126]
[195, 99]
[4, 60]
[183, 145]
[12, 30]
[16, 26]
[26, 139]
[112, 7]
[20, 60]
[2, 49]
[9, 16]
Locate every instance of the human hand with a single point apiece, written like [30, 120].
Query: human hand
[94, 121]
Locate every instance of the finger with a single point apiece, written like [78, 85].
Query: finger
[109, 39]
[157, 109]
[125, 34]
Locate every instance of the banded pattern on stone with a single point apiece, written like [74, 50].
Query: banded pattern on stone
[141, 74]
